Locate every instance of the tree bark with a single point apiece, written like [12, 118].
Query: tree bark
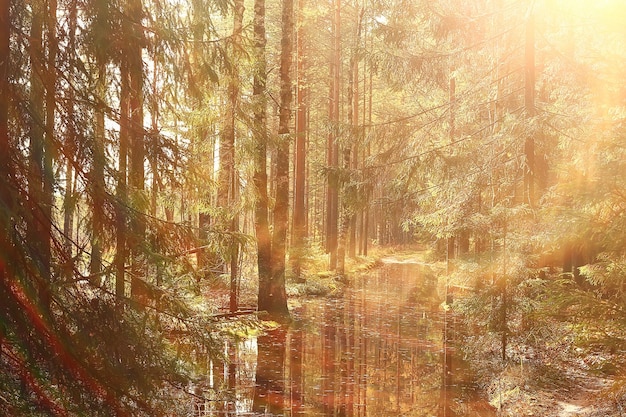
[48, 178]
[332, 198]
[39, 226]
[366, 215]
[97, 183]
[136, 175]
[70, 152]
[5, 160]
[264, 249]
[51, 81]
[228, 180]
[121, 190]
[281, 205]
[5, 56]
[299, 209]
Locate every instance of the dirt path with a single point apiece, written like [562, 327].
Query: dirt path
[570, 410]
[586, 401]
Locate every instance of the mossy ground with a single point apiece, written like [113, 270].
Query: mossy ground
[318, 280]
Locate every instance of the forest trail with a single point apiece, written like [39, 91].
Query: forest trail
[585, 400]
[412, 256]
[570, 410]
[393, 260]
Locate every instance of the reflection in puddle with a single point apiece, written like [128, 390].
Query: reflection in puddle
[378, 351]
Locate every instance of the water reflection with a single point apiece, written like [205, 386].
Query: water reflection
[270, 381]
[378, 351]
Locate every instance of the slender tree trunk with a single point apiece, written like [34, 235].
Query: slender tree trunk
[156, 185]
[281, 205]
[5, 56]
[70, 151]
[233, 175]
[299, 213]
[97, 174]
[5, 53]
[97, 183]
[332, 211]
[228, 180]
[68, 203]
[154, 136]
[38, 227]
[366, 215]
[264, 249]
[354, 121]
[206, 260]
[346, 211]
[121, 190]
[331, 229]
[51, 81]
[5, 160]
[136, 175]
[529, 102]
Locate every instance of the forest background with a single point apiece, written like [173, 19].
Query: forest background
[161, 161]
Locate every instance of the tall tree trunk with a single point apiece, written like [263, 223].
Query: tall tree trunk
[281, 205]
[299, 213]
[332, 210]
[354, 122]
[51, 81]
[5, 160]
[206, 260]
[366, 214]
[5, 56]
[154, 135]
[136, 175]
[156, 185]
[5, 205]
[330, 225]
[121, 190]
[38, 229]
[529, 103]
[97, 184]
[70, 151]
[259, 100]
[345, 212]
[228, 184]
[233, 176]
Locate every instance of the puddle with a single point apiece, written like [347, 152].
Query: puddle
[378, 351]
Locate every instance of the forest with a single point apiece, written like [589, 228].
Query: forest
[179, 177]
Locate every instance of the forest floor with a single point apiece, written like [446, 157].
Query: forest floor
[558, 388]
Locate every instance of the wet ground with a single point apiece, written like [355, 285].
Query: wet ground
[385, 348]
